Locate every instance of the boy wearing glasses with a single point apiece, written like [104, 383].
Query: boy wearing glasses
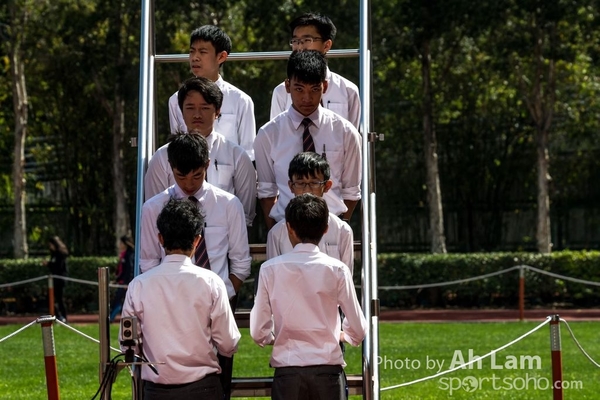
[307, 126]
[296, 310]
[309, 173]
[209, 48]
[316, 32]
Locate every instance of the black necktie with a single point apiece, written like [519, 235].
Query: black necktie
[307, 140]
[201, 254]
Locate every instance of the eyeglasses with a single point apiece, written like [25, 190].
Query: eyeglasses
[304, 41]
[312, 185]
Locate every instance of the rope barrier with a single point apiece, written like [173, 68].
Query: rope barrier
[579, 345]
[477, 359]
[85, 336]
[4, 285]
[18, 331]
[566, 278]
[401, 287]
[66, 278]
[430, 285]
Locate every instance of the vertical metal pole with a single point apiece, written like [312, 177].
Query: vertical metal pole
[50, 294]
[521, 292]
[49, 356]
[369, 245]
[104, 327]
[145, 122]
[555, 348]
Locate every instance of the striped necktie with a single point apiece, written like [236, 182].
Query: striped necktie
[307, 140]
[201, 254]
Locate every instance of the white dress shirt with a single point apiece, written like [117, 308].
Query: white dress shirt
[280, 139]
[299, 292]
[341, 97]
[183, 313]
[230, 169]
[225, 232]
[337, 242]
[236, 122]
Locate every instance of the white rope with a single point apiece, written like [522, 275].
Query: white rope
[578, 345]
[470, 362]
[428, 285]
[566, 278]
[85, 336]
[39, 278]
[66, 278]
[22, 329]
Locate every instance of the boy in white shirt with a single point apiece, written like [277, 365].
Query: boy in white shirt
[309, 173]
[327, 133]
[164, 298]
[306, 282]
[200, 101]
[316, 32]
[209, 48]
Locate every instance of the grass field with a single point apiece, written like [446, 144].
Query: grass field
[408, 351]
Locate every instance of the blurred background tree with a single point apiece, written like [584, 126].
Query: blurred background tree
[456, 75]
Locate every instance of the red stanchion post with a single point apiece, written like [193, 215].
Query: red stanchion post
[555, 349]
[521, 293]
[50, 295]
[47, 322]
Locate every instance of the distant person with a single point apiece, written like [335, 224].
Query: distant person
[183, 313]
[312, 31]
[307, 126]
[124, 274]
[58, 267]
[209, 48]
[231, 169]
[296, 310]
[309, 173]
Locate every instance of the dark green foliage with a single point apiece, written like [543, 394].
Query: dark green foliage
[394, 269]
[499, 291]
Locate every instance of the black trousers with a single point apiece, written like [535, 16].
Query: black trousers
[226, 363]
[207, 388]
[59, 289]
[319, 382]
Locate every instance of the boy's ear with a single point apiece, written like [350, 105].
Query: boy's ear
[287, 85]
[327, 186]
[292, 235]
[221, 57]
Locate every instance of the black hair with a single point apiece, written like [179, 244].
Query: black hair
[187, 152]
[207, 88]
[308, 216]
[179, 222]
[59, 246]
[127, 241]
[307, 165]
[308, 66]
[213, 34]
[322, 23]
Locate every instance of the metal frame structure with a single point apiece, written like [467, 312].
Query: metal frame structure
[147, 135]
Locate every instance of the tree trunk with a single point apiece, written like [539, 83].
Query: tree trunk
[434, 194]
[19, 90]
[540, 101]
[121, 217]
[543, 233]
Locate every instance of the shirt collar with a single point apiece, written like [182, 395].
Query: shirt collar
[200, 194]
[297, 118]
[306, 248]
[210, 140]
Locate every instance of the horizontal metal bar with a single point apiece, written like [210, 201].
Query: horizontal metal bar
[256, 56]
